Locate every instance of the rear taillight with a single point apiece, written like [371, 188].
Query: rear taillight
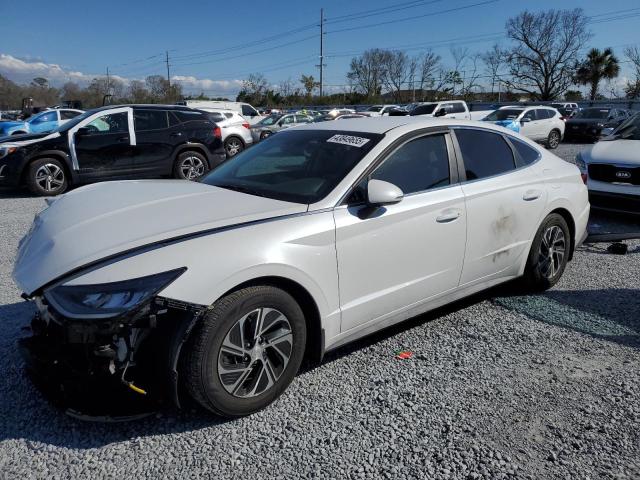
[217, 132]
[564, 119]
[246, 125]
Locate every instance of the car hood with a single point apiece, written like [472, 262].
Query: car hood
[21, 140]
[10, 124]
[104, 220]
[625, 152]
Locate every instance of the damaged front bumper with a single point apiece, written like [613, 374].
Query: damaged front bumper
[115, 367]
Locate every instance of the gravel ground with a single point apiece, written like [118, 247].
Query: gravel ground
[500, 386]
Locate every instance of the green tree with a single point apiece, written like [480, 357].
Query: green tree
[309, 83]
[598, 66]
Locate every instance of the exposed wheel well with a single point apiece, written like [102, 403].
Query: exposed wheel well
[234, 136]
[19, 132]
[314, 349]
[564, 213]
[23, 174]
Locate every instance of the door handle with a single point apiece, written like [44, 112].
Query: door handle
[447, 216]
[123, 139]
[531, 195]
[176, 134]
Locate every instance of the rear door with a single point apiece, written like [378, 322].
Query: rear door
[153, 153]
[505, 198]
[396, 256]
[45, 122]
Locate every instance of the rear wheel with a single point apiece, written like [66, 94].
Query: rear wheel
[46, 176]
[233, 146]
[246, 351]
[190, 166]
[549, 254]
[553, 140]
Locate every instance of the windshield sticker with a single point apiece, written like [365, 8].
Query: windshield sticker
[349, 140]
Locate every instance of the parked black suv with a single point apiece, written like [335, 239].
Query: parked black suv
[114, 142]
[587, 124]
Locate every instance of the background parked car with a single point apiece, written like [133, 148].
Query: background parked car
[41, 122]
[246, 110]
[611, 169]
[588, 124]
[539, 123]
[378, 110]
[274, 123]
[566, 109]
[125, 141]
[449, 109]
[236, 130]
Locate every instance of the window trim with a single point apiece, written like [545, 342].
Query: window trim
[462, 173]
[396, 145]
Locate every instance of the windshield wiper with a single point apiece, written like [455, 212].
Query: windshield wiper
[240, 188]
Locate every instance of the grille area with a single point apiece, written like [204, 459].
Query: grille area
[612, 173]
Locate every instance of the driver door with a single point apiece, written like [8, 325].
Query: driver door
[103, 146]
[396, 256]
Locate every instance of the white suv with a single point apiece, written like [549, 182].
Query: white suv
[539, 123]
[236, 130]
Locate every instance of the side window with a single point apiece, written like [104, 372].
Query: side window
[228, 115]
[531, 115]
[110, 123]
[188, 116]
[46, 117]
[216, 117]
[289, 119]
[543, 113]
[526, 154]
[150, 120]
[484, 153]
[248, 111]
[68, 114]
[458, 107]
[419, 165]
[173, 120]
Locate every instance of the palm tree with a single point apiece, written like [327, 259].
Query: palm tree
[597, 66]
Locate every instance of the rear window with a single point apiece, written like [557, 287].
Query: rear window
[526, 154]
[485, 154]
[301, 166]
[216, 117]
[150, 120]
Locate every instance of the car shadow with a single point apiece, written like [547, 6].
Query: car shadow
[7, 192]
[586, 311]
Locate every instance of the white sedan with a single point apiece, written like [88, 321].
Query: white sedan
[318, 236]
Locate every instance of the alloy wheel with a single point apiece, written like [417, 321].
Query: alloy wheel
[192, 168]
[233, 147]
[255, 353]
[552, 251]
[554, 139]
[50, 177]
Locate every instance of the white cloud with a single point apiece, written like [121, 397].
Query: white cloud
[24, 70]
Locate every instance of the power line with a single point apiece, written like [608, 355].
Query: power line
[380, 11]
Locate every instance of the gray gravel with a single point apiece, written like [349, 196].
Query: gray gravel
[500, 386]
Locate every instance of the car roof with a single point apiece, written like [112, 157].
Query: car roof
[147, 106]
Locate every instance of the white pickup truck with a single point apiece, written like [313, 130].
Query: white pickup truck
[447, 109]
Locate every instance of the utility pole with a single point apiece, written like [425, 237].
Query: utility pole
[168, 75]
[108, 81]
[321, 52]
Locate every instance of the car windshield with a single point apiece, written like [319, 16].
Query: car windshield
[270, 120]
[374, 109]
[595, 113]
[629, 129]
[301, 166]
[504, 114]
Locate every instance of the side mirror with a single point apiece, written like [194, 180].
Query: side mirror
[440, 113]
[381, 193]
[83, 131]
[525, 120]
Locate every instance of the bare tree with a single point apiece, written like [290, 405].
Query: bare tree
[396, 73]
[543, 60]
[429, 65]
[493, 61]
[286, 87]
[632, 88]
[367, 72]
[138, 92]
[255, 87]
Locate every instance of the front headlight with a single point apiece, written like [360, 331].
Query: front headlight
[7, 150]
[580, 163]
[106, 300]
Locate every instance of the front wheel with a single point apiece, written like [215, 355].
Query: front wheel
[233, 146]
[46, 176]
[549, 254]
[246, 351]
[553, 140]
[190, 166]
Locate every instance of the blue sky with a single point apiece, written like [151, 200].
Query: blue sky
[80, 39]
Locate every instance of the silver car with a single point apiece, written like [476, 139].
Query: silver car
[236, 130]
[275, 123]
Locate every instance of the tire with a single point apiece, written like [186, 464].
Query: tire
[553, 139]
[539, 273]
[46, 177]
[211, 371]
[190, 166]
[233, 146]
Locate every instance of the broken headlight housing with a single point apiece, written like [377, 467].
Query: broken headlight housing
[580, 163]
[107, 300]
